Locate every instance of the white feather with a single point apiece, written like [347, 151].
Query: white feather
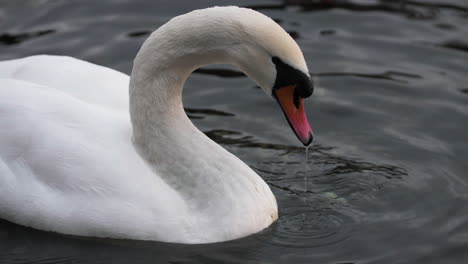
[73, 160]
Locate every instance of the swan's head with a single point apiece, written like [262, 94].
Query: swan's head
[273, 59]
[240, 36]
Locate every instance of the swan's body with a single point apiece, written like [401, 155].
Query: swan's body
[73, 160]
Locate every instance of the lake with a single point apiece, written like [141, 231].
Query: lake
[387, 177]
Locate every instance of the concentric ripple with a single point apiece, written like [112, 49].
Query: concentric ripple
[302, 226]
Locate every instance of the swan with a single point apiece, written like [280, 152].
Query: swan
[89, 151]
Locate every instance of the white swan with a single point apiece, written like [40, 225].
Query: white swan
[74, 161]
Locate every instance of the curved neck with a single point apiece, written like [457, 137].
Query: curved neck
[160, 70]
[208, 178]
[156, 91]
[162, 133]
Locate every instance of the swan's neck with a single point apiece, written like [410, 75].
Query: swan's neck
[218, 188]
[162, 133]
[160, 70]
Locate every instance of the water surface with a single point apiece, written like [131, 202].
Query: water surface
[387, 177]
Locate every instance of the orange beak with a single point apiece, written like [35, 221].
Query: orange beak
[293, 109]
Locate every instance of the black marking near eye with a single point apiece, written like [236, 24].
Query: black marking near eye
[286, 75]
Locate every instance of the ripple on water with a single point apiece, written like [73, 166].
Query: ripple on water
[303, 226]
[321, 213]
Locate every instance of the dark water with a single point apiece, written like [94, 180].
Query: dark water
[387, 178]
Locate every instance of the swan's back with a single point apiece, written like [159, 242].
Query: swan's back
[85, 81]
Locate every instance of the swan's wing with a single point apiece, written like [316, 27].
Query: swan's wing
[85, 81]
[48, 136]
[69, 166]
[50, 155]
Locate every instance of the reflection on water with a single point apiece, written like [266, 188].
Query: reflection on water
[388, 75]
[13, 39]
[199, 113]
[141, 33]
[226, 137]
[456, 45]
[227, 73]
[411, 9]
